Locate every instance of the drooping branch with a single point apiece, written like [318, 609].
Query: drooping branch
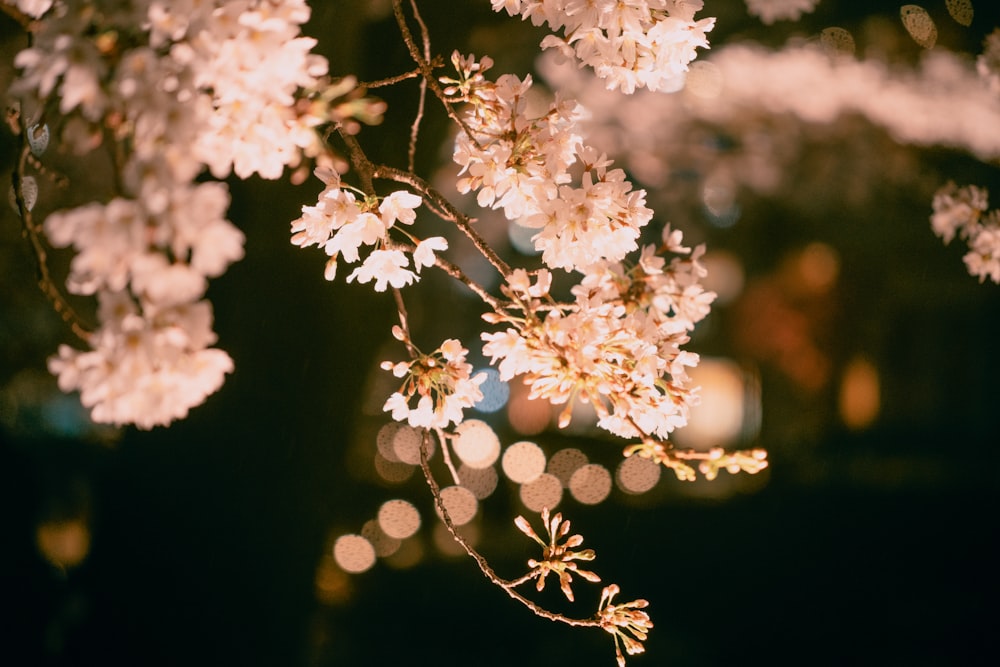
[508, 586]
[32, 231]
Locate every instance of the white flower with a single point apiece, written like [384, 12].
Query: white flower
[146, 368]
[424, 253]
[983, 258]
[957, 210]
[441, 381]
[385, 267]
[618, 347]
[526, 173]
[399, 206]
[629, 44]
[33, 8]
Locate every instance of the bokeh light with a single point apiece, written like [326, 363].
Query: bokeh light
[590, 484]
[476, 443]
[481, 481]
[495, 391]
[398, 518]
[63, 543]
[445, 542]
[385, 441]
[544, 491]
[637, 474]
[704, 80]
[726, 276]
[392, 471]
[527, 416]
[718, 418]
[460, 503]
[383, 544]
[353, 553]
[523, 462]
[860, 395]
[406, 443]
[565, 462]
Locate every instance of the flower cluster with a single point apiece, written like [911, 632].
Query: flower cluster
[147, 367]
[148, 362]
[617, 346]
[341, 223]
[520, 163]
[557, 557]
[709, 463]
[33, 8]
[201, 84]
[963, 212]
[441, 381]
[644, 43]
[626, 622]
[988, 62]
[769, 11]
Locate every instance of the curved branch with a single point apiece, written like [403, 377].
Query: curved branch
[31, 231]
[424, 63]
[451, 213]
[484, 566]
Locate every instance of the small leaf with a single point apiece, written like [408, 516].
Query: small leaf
[960, 10]
[29, 192]
[919, 24]
[837, 41]
[38, 138]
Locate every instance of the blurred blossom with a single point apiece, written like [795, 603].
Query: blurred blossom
[769, 11]
[761, 91]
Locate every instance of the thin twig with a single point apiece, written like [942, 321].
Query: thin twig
[452, 214]
[404, 323]
[426, 67]
[446, 455]
[484, 566]
[422, 100]
[455, 272]
[381, 83]
[31, 231]
[411, 153]
[25, 21]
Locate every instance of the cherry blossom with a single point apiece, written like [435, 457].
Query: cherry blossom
[630, 45]
[963, 212]
[769, 11]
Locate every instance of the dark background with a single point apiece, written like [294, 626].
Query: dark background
[873, 547]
